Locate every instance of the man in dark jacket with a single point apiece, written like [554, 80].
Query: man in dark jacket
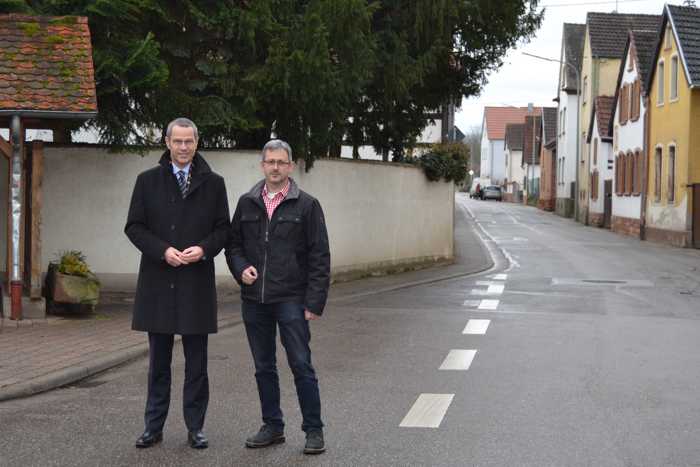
[179, 220]
[279, 255]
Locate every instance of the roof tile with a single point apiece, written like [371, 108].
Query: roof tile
[498, 117]
[46, 64]
[608, 31]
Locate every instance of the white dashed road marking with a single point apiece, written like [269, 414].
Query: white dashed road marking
[458, 359]
[488, 304]
[500, 277]
[477, 326]
[428, 411]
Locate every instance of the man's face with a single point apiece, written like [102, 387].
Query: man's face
[182, 145]
[276, 166]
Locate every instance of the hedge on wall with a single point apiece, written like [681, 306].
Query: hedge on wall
[447, 161]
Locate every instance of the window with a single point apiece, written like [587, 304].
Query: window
[594, 185]
[636, 98]
[624, 105]
[667, 37]
[595, 151]
[660, 84]
[671, 174]
[563, 126]
[639, 172]
[629, 172]
[585, 89]
[673, 93]
[619, 170]
[657, 175]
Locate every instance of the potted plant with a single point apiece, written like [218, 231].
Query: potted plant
[70, 281]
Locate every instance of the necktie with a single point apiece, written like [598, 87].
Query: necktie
[182, 182]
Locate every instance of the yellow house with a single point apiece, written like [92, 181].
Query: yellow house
[671, 209]
[604, 44]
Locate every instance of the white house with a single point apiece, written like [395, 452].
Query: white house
[515, 175]
[493, 132]
[567, 95]
[629, 115]
[599, 142]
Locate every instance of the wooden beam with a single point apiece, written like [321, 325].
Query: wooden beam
[37, 178]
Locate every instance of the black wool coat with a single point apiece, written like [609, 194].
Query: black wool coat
[177, 300]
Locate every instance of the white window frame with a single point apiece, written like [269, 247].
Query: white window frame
[674, 79]
[671, 174]
[660, 83]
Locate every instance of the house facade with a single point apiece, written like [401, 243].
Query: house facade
[515, 175]
[532, 139]
[493, 129]
[567, 99]
[604, 43]
[671, 210]
[548, 156]
[628, 128]
[601, 163]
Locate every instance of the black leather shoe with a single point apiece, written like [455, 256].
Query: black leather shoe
[197, 440]
[149, 439]
[265, 437]
[314, 442]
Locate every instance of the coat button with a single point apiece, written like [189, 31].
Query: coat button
[172, 286]
[172, 227]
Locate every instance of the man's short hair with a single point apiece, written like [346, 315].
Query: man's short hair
[275, 144]
[183, 122]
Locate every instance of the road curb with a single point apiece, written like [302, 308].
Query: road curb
[70, 375]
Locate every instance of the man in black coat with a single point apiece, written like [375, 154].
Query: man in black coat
[179, 220]
[279, 255]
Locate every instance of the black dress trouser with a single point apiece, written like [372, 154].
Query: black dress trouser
[195, 395]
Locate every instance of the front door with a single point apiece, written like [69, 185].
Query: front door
[696, 215]
[607, 204]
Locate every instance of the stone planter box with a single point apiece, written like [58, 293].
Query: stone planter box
[62, 289]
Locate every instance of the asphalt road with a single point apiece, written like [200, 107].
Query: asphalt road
[590, 357]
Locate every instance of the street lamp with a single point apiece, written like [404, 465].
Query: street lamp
[578, 125]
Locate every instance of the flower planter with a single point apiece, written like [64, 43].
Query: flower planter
[64, 289]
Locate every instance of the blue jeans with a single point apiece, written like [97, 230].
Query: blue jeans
[261, 322]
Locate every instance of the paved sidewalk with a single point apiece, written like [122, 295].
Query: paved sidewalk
[39, 355]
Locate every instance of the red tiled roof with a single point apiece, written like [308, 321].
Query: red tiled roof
[46, 64]
[498, 117]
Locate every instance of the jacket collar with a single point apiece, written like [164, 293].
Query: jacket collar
[200, 169]
[256, 191]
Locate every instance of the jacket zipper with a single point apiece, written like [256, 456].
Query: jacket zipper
[262, 291]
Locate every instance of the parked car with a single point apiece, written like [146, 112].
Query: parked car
[492, 192]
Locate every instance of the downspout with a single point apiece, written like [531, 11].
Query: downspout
[645, 180]
[16, 210]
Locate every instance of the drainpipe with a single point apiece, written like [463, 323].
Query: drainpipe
[16, 210]
[645, 179]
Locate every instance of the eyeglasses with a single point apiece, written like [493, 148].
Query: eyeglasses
[274, 163]
[183, 142]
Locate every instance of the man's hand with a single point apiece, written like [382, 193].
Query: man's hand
[250, 274]
[174, 257]
[310, 316]
[193, 254]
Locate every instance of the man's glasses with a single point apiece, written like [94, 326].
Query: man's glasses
[274, 163]
[182, 142]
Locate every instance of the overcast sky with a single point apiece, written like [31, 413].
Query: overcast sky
[524, 79]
